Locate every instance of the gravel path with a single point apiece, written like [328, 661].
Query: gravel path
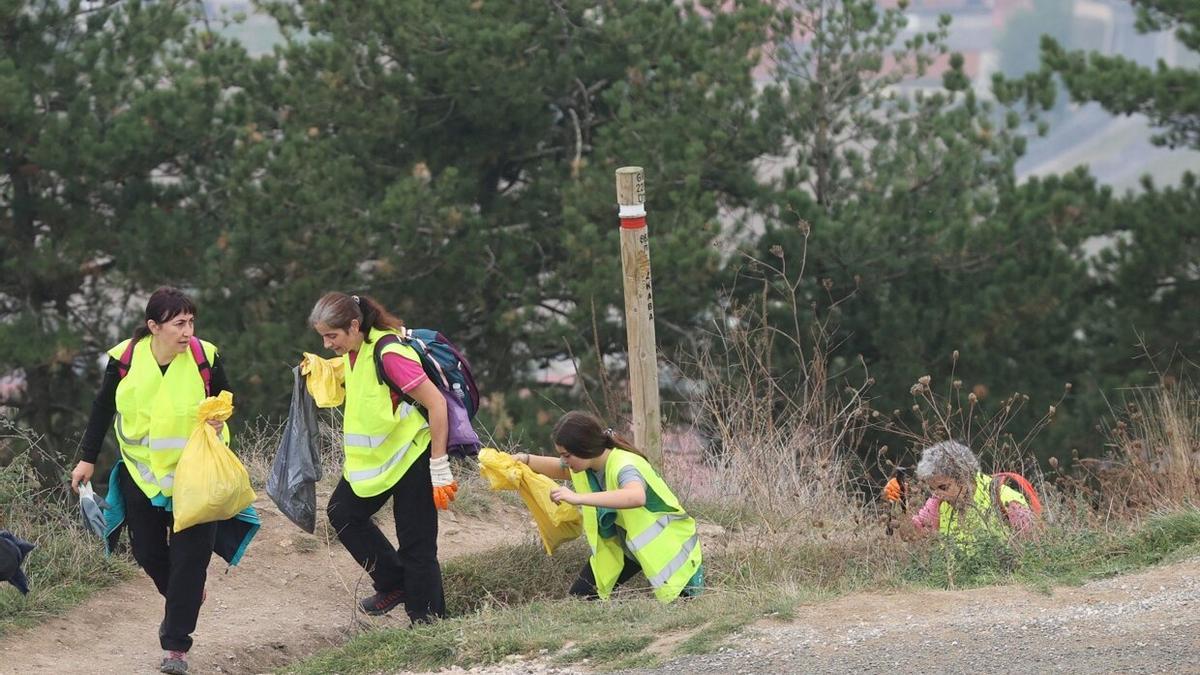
[1148, 622]
[1143, 623]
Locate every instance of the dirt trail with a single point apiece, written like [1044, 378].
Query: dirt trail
[290, 596]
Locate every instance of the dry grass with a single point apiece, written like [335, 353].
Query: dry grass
[1154, 453]
[68, 564]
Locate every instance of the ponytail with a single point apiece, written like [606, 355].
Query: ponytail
[337, 310]
[375, 315]
[582, 435]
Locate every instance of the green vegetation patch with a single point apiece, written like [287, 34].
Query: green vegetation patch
[68, 565]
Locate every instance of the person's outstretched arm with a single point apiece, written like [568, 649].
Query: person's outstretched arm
[551, 467]
[104, 407]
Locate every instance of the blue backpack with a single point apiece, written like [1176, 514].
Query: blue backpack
[442, 361]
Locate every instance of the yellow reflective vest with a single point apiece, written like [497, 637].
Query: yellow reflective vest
[381, 444]
[665, 544]
[156, 413]
[981, 514]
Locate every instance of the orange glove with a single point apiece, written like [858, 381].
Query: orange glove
[444, 494]
[891, 491]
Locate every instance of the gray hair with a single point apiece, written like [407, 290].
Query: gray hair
[336, 310]
[948, 458]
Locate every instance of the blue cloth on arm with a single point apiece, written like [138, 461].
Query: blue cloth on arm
[233, 535]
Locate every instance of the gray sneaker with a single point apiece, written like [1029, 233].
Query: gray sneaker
[383, 602]
[174, 663]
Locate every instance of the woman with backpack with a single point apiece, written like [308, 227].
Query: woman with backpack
[394, 431]
[153, 385]
[634, 523]
[965, 500]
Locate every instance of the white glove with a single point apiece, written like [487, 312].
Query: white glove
[439, 471]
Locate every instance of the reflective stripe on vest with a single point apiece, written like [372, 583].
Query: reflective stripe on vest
[367, 474]
[381, 443]
[676, 563]
[172, 443]
[648, 535]
[121, 435]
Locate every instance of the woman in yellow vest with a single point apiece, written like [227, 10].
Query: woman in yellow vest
[634, 523]
[152, 385]
[394, 433]
[963, 499]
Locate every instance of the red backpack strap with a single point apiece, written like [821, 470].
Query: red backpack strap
[1026, 488]
[125, 360]
[202, 363]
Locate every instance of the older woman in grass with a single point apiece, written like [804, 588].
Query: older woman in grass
[964, 499]
[634, 523]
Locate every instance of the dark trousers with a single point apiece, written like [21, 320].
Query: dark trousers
[585, 585]
[177, 562]
[414, 566]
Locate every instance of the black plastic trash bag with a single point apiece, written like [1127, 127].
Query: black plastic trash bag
[297, 468]
[92, 507]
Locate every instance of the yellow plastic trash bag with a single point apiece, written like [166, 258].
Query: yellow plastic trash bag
[325, 380]
[556, 523]
[210, 482]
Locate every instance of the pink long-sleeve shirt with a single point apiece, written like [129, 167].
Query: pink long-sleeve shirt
[404, 373]
[1020, 518]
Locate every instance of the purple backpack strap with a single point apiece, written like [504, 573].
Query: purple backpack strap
[202, 363]
[125, 359]
[198, 354]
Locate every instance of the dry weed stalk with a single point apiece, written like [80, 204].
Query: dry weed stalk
[782, 442]
[1154, 451]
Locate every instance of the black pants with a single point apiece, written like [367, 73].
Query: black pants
[177, 562]
[585, 585]
[414, 567]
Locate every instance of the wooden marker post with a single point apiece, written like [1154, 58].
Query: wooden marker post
[639, 312]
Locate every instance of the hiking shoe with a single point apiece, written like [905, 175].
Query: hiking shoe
[382, 602]
[174, 663]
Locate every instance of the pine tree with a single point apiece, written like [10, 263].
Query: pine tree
[456, 160]
[919, 240]
[1148, 279]
[113, 119]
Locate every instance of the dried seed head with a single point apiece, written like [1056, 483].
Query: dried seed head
[954, 356]
[1053, 462]
[1067, 386]
[915, 389]
[957, 384]
[777, 250]
[924, 379]
[883, 450]
[973, 398]
[1052, 409]
[916, 408]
